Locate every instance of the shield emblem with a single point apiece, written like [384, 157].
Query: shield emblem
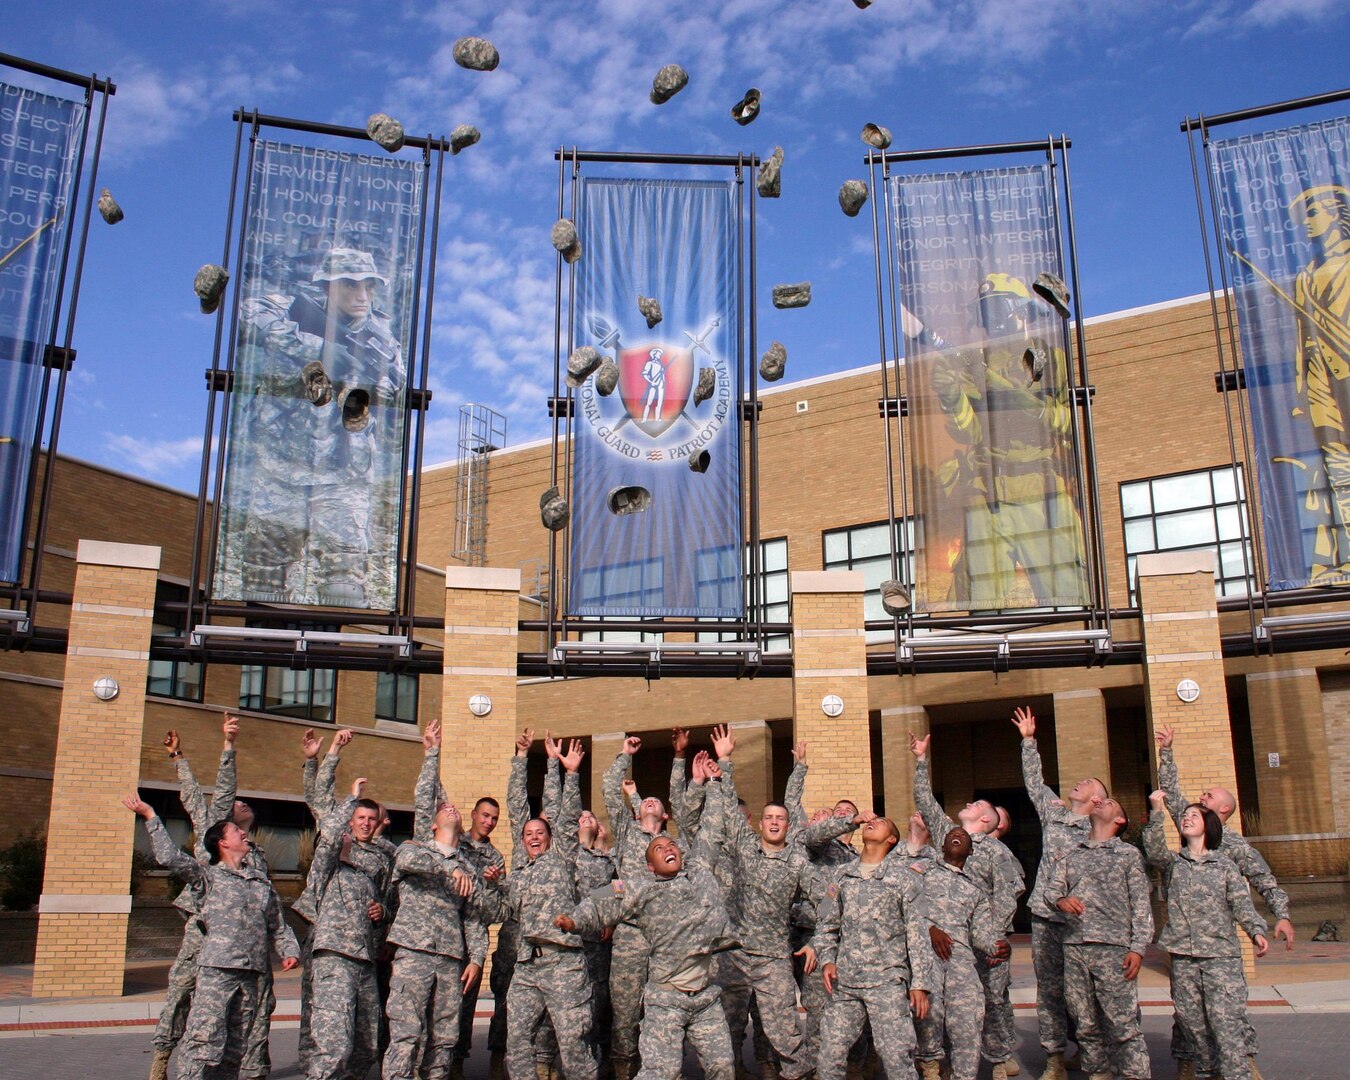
[655, 382]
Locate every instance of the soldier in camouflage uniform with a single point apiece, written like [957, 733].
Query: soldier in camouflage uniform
[1206, 894]
[960, 927]
[1102, 889]
[240, 916]
[679, 909]
[350, 878]
[550, 978]
[766, 881]
[439, 933]
[996, 870]
[333, 365]
[628, 951]
[1064, 823]
[1248, 860]
[476, 846]
[874, 956]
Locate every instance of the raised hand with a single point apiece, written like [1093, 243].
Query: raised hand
[358, 787]
[630, 789]
[919, 747]
[571, 761]
[679, 740]
[135, 804]
[231, 730]
[1025, 721]
[632, 745]
[431, 737]
[700, 767]
[171, 741]
[1163, 737]
[713, 769]
[1158, 800]
[799, 753]
[524, 741]
[724, 742]
[340, 740]
[310, 744]
[551, 747]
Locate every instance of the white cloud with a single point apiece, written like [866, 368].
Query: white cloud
[154, 457]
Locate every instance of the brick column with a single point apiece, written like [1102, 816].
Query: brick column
[604, 749]
[1287, 719]
[1181, 641]
[1081, 744]
[86, 899]
[830, 657]
[897, 763]
[754, 765]
[481, 620]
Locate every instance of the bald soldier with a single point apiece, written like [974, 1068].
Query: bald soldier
[1248, 859]
[1064, 824]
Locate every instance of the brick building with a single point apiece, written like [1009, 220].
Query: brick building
[1274, 726]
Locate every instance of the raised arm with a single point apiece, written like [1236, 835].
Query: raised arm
[565, 824]
[428, 792]
[189, 791]
[706, 847]
[796, 788]
[325, 782]
[227, 777]
[1168, 781]
[517, 793]
[553, 784]
[1155, 841]
[611, 788]
[686, 800]
[1033, 775]
[939, 824]
[166, 852]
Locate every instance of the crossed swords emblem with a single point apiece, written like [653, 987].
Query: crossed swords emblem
[607, 337]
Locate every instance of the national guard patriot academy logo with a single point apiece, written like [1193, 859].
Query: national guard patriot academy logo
[654, 416]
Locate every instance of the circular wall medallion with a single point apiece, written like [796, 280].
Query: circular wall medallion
[832, 705]
[1188, 690]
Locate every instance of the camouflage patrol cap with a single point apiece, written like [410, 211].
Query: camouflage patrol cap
[348, 264]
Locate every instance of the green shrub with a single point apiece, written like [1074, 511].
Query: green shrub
[21, 868]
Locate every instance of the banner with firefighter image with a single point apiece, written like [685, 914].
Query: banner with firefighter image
[39, 144]
[995, 492]
[1284, 211]
[315, 455]
[656, 496]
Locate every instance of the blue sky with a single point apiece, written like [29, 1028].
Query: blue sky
[1117, 77]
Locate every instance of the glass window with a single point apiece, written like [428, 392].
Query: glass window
[867, 548]
[773, 591]
[305, 695]
[1203, 510]
[172, 678]
[396, 697]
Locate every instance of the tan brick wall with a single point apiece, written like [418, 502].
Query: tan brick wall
[831, 658]
[897, 763]
[97, 757]
[1286, 717]
[1336, 715]
[1082, 745]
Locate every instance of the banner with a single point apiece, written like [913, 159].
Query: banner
[673, 240]
[995, 488]
[314, 461]
[39, 142]
[1284, 211]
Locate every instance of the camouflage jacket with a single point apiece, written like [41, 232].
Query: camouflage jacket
[344, 889]
[630, 839]
[684, 917]
[954, 903]
[432, 916]
[428, 795]
[203, 815]
[544, 887]
[240, 913]
[320, 781]
[1236, 846]
[1108, 877]
[1205, 896]
[765, 884]
[872, 930]
[990, 865]
[1061, 829]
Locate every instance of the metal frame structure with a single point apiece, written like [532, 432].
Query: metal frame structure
[1268, 633]
[391, 647]
[564, 654]
[481, 431]
[979, 641]
[24, 598]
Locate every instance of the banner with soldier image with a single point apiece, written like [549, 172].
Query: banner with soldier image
[995, 490]
[656, 522]
[315, 455]
[39, 144]
[1284, 212]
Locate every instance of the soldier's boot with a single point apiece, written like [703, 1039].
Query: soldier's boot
[930, 1070]
[1186, 1070]
[1054, 1067]
[1251, 1065]
[159, 1065]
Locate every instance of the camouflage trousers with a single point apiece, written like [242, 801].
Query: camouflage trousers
[769, 980]
[627, 977]
[553, 984]
[670, 1017]
[344, 1017]
[1000, 1032]
[1047, 957]
[257, 1063]
[851, 1009]
[222, 1012]
[1210, 998]
[182, 980]
[602, 1017]
[306, 1047]
[503, 963]
[423, 1011]
[1105, 1010]
[956, 1010]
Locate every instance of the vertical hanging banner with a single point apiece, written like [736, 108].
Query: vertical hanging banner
[39, 141]
[314, 460]
[995, 477]
[1284, 212]
[656, 526]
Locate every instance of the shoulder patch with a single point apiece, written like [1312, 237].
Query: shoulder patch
[832, 889]
[920, 867]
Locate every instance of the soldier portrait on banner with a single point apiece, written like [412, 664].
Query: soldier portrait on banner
[315, 457]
